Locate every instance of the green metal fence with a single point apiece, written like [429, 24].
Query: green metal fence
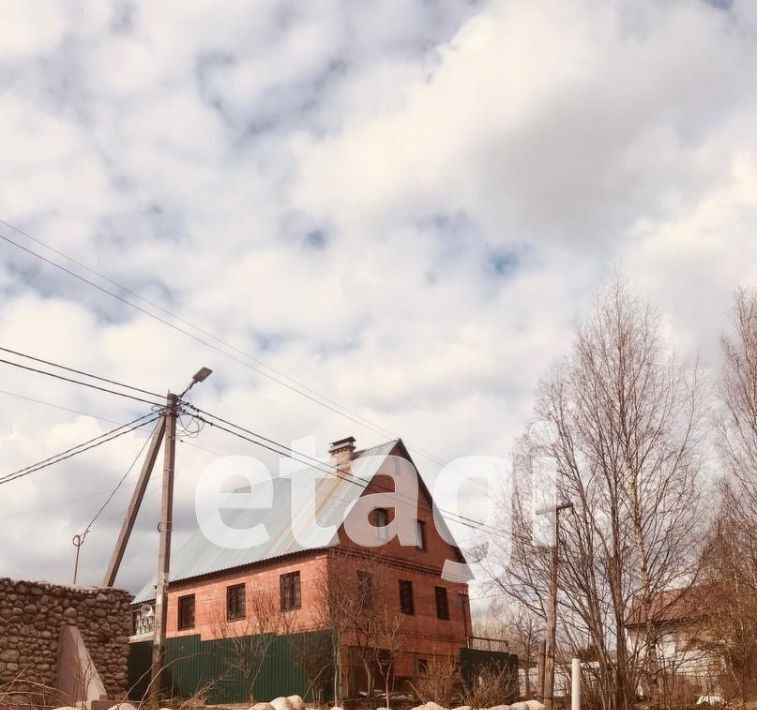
[240, 669]
[265, 667]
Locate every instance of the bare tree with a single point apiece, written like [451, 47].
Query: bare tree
[335, 612]
[626, 422]
[356, 608]
[514, 628]
[251, 635]
[526, 631]
[388, 640]
[731, 559]
[730, 573]
[737, 425]
[440, 681]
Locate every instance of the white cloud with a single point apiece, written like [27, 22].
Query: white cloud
[406, 210]
[30, 26]
[562, 121]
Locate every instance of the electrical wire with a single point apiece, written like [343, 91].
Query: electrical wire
[250, 361]
[310, 461]
[56, 406]
[282, 450]
[115, 490]
[79, 382]
[420, 554]
[80, 372]
[79, 449]
[258, 440]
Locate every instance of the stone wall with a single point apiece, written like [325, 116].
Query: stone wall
[31, 617]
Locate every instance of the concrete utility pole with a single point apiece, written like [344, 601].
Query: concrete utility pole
[165, 432]
[164, 550]
[166, 523]
[575, 685]
[551, 635]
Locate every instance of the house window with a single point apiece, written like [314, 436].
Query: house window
[420, 535]
[290, 591]
[235, 602]
[421, 666]
[442, 603]
[187, 612]
[382, 521]
[366, 589]
[406, 597]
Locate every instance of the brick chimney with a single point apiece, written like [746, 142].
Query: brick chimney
[341, 453]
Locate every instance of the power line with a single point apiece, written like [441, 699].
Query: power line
[310, 461]
[100, 436]
[258, 440]
[250, 362]
[416, 555]
[256, 361]
[282, 450]
[56, 406]
[80, 372]
[80, 448]
[115, 490]
[78, 382]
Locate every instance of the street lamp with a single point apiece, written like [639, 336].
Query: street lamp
[200, 376]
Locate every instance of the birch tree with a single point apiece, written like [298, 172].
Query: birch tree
[626, 422]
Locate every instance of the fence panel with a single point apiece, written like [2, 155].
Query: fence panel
[231, 670]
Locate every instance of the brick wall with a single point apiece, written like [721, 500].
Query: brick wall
[31, 617]
[262, 588]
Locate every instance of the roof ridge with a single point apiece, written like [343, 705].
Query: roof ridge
[362, 452]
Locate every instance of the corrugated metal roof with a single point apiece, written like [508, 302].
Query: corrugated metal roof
[199, 556]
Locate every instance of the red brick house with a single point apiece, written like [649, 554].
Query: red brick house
[390, 596]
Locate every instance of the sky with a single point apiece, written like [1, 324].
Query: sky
[406, 207]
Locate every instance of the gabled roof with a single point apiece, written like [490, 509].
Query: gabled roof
[669, 605]
[199, 556]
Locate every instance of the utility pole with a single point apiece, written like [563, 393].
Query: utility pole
[551, 635]
[164, 549]
[540, 674]
[165, 527]
[165, 432]
[136, 501]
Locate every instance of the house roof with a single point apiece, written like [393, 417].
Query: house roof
[289, 517]
[666, 606]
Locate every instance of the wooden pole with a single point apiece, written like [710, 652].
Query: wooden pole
[164, 554]
[550, 640]
[136, 501]
[551, 632]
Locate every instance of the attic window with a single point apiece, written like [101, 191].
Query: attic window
[381, 518]
[420, 536]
